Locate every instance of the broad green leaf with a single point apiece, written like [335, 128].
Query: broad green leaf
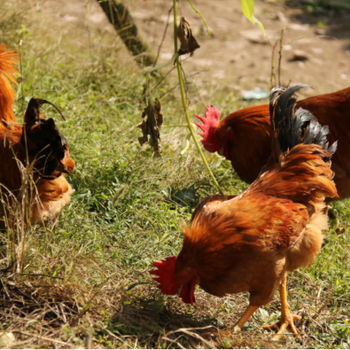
[247, 7]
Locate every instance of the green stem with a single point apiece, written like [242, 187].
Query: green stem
[205, 23]
[166, 64]
[184, 102]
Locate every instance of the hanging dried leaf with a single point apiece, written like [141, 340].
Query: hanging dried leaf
[187, 40]
[159, 114]
[151, 124]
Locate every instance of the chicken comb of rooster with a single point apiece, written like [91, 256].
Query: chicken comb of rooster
[209, 126]
[211, 120]
[165, 272]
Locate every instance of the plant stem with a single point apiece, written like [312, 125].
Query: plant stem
[205, 23]
[184, 102]
[280, 56]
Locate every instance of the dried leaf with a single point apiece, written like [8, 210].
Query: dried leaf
[187, 40]
[159, 114]
[152, 121]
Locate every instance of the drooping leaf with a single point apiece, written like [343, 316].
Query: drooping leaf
[247, 7]
[187, 40]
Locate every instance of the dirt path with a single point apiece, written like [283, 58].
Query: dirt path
[236, 55]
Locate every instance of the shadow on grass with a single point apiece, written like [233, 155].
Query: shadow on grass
[152, 325]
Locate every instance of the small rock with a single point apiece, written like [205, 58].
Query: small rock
[301, 64]
[297, 26]
[317, 50]
[343, 76]
[319, 31]
[299, 55]
[287, 47]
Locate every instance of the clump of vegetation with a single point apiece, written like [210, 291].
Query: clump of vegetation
[87, 282]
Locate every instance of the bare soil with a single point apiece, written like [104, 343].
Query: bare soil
[236, 55]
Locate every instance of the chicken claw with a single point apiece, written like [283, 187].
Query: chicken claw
[287, 318]
[286, 323]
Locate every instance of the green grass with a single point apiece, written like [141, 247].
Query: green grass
[124, 213]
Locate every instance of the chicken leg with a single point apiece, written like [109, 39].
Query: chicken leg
[246, 315]
[287, 318]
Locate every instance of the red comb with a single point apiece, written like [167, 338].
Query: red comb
[166, 273]
[210, 123]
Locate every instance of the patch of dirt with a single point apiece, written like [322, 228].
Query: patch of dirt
[236, 55]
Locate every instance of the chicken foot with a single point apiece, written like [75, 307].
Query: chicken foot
[241, 322]
[287, 318]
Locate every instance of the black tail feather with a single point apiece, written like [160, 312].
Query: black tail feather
[293, 125]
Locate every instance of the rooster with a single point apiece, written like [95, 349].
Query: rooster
[38, 142]
[251, 241]
[243, 137]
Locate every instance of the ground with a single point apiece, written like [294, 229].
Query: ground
[87, 281]
[236, 55]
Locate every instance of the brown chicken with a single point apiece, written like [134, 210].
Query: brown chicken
[38, 142]
[243, 137]
[251, 241]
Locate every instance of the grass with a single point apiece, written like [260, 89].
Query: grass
[88, 282]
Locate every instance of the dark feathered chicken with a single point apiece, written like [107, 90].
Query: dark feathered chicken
[38, 142]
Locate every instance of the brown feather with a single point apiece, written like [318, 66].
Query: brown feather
[53, 195]
[251, 145]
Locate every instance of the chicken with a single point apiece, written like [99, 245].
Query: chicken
[243, 137]
[38, 142]
[251, 241]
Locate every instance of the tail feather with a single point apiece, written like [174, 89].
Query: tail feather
[299, 168]
[45, 142]
[293, 125]
[8, 61]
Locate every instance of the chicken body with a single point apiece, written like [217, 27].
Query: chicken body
[39, 142]
[249, 242]
[243, 137]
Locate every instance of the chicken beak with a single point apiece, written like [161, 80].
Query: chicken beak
[221, 151]
[179, 291]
